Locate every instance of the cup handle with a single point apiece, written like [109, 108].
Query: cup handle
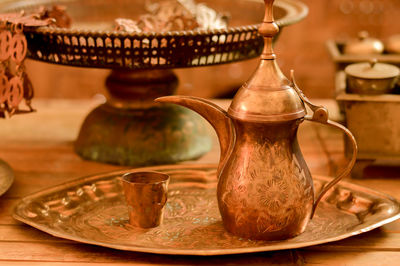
[320, 115]
[164, 198]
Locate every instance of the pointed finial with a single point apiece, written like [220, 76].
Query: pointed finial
[268, 30]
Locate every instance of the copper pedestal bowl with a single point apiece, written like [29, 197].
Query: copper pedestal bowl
[130, 129]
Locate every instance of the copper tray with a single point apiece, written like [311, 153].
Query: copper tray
[92, 210]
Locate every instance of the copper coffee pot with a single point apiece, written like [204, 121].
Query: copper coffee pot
[265, 189]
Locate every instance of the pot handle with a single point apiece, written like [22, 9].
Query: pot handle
[320, 115]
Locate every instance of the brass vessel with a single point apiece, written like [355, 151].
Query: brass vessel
[371, 77]
[265, 190]
[146, 193]
[364, 45]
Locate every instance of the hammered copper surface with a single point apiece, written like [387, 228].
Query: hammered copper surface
[92, 210]
[92, 42]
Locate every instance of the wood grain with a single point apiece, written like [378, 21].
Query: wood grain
[72, 252]
[360, 258]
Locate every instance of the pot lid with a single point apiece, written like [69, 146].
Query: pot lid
[268, 96]
[364, 45]
[372, 70]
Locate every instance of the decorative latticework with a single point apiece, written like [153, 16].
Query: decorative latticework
[96, 46]
[143, 50]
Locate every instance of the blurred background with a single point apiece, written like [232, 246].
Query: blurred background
[301, 47]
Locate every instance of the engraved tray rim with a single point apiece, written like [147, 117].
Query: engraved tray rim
[206, 252]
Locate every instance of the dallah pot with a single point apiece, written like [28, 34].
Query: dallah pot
[265, 189]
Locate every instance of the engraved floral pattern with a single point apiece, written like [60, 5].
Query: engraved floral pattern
[273, 194]
[192, 223]
[279, 195]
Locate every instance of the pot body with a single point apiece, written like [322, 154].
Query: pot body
[370, 86]
[265, 190]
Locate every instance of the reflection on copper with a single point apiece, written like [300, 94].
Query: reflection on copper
[146, 195]
[265, 189]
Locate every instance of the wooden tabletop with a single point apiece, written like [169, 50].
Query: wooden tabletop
[39, 148]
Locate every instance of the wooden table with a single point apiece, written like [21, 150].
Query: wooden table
[39, 147]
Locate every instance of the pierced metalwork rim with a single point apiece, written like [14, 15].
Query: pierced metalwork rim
[174, 49]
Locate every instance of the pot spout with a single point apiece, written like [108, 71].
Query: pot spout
[215, 115]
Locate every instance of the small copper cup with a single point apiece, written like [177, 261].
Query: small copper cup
[146, 195]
